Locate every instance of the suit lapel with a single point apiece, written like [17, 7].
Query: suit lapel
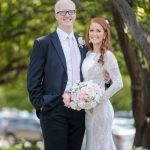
[59, 49]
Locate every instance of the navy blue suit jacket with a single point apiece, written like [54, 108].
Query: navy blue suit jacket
[47, 72]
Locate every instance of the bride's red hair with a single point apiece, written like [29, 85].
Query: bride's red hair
[106, 41]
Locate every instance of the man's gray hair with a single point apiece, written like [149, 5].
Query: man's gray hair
[59, 2]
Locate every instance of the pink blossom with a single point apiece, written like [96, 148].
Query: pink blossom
[81, 96]
[97, 88]
[67, 99]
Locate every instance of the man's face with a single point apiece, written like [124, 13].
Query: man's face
[65, 15]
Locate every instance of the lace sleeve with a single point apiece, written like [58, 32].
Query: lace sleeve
[111, 66]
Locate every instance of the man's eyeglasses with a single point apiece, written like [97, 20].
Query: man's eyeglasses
[64, 13]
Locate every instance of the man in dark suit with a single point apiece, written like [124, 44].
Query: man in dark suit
[50, 75]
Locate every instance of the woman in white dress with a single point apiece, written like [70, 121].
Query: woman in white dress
[99, 59]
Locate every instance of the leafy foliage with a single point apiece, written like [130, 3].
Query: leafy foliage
[25, 145]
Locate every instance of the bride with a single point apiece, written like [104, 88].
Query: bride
[99, 59]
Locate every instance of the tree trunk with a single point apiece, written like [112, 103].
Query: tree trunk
[136, 75]
[140, 76]
[146, 134]
[129, 18]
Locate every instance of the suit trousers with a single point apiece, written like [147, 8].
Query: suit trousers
[63, 128]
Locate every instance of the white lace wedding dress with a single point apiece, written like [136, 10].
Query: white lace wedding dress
[98, 122]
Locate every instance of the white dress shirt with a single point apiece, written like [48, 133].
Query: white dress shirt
[65, 46]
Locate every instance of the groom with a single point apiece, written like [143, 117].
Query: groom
[52, 71]
[55, 64]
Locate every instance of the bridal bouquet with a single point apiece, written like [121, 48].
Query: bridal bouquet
[83, 95]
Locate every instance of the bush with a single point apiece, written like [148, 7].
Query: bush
[25, 145]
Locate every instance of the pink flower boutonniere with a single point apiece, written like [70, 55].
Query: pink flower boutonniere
[81, 42]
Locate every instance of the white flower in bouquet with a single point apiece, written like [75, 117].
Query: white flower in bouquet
[73, 105]
[82, 104]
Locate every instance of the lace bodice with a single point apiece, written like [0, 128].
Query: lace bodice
[92, 70]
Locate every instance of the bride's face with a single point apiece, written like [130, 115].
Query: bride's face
[96, 33]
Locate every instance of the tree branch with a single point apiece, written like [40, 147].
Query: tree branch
[9, 79]
[10, 66]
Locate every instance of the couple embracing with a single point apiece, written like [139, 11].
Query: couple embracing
[57, 62]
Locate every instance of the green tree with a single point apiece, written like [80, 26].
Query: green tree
[137, 57]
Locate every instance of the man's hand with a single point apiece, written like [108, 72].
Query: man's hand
[106, 77]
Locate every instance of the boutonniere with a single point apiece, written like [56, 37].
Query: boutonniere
[81, 42]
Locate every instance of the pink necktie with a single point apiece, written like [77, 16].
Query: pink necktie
[75, 68]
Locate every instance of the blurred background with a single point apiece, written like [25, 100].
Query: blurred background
[23, 21]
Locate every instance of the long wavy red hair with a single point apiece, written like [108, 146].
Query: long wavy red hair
[106, 41]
